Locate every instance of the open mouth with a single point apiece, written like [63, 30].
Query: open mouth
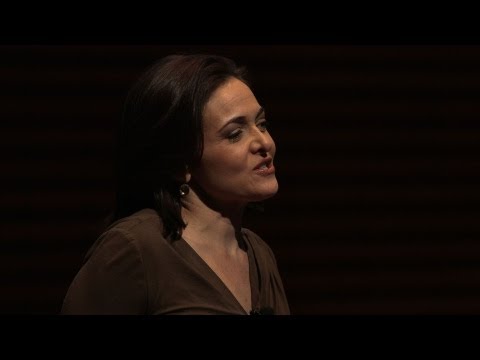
[265, 167]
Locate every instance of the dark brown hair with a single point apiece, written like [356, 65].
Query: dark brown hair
[161, 133]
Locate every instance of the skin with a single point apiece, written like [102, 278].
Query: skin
[225, 181]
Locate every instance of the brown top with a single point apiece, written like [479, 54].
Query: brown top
[133, 269]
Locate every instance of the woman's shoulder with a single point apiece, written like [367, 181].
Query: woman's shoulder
[256, 241]
[145, 219]
[142, 229]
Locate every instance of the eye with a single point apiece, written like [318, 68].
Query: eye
[263, 125]
[235, 135]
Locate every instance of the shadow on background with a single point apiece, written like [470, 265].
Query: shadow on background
[378, 163]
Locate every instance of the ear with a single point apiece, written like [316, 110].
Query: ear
[183, 176]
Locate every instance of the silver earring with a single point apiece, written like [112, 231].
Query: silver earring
[184, 189]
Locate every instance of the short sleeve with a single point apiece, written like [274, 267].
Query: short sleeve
[111, 281]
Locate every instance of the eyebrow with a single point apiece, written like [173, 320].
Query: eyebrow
[241, 119]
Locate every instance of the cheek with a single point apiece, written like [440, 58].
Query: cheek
[226, 161]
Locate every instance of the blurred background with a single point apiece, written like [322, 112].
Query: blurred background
[378, 163]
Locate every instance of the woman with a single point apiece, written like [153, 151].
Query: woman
[194, 152]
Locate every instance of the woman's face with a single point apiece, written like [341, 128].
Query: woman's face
[237, 162]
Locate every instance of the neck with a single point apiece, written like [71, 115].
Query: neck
[212, 224]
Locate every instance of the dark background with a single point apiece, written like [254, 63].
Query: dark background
[377, 159]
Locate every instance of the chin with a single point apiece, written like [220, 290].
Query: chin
[267, 193]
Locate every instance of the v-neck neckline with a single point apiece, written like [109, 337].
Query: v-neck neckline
[253, 274]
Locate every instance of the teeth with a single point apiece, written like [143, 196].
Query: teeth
[263, 166]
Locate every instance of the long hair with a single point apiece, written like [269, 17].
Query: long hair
[161, 133]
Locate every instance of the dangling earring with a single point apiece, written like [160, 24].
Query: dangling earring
[184, 189]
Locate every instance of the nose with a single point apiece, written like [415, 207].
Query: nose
[262, 143]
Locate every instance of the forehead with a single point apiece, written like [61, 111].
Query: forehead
[232, 98]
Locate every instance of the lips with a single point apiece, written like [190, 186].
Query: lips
[265, 162]
[265, 167]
